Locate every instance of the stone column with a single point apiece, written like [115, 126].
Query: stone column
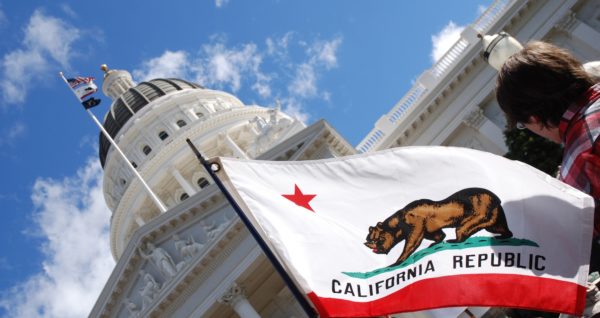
[234, 147]
[235, 298]
[192, 113]
[182, 182]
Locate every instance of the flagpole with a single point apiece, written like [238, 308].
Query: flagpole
[155, 198]
[310, 312]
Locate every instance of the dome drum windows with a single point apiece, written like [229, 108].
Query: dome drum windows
[181, 123]
[202, 182]
[147, 150]
[163, 135]
[179, 195]
[132, 101]
[183, 197]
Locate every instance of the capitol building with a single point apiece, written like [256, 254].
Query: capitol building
[196, 259]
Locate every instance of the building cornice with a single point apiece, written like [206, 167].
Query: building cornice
[438, 82]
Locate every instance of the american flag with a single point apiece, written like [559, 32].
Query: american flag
[78, 80]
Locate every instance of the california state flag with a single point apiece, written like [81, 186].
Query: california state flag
[418, 228]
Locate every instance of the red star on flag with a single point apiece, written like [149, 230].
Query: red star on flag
[300, 198]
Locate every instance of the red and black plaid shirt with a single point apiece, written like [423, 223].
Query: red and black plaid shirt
[579, 130]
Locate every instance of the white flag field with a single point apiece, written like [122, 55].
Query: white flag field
[418, 228]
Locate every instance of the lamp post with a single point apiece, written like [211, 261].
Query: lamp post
[498, 48]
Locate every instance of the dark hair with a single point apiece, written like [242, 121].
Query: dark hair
[541, 80]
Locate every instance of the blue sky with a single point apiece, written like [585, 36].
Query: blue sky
[345, 61]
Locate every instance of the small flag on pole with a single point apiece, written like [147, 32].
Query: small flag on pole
[83, 88]
[419, 228]
[90, 102]
[79, 80]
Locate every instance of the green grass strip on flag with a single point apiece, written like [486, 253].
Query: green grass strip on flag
[469, 243]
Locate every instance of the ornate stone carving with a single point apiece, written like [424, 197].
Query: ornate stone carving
[235, 298]
[149, 290]
[268, 131]
[134, 311]
[187, 248]
[475, 119]
[212, 229]
[160, 258]
[568, 22]
[232, 295]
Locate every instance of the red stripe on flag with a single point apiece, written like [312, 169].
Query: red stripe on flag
[87, 94]
[499, 290]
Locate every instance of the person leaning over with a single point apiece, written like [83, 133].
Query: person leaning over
[545, 89]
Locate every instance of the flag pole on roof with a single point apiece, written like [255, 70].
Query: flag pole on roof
[84, 88]
[308, 309]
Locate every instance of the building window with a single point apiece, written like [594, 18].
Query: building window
[163, 135]
[183, 196]
[199, 114]
[123, 182]
[134, 164]
[181, 123]
[147, 150]
[202, 183]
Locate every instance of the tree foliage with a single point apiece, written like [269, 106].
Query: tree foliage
[534, 150]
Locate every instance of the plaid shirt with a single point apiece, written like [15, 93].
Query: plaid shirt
[579, 130]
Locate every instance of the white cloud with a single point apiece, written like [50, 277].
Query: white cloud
[12, 133]
[324, 52]
[221, 3]
[219, 66]
[444, 40]
[225, 66]
[293, 107]
[320, 54]
[68, 10]
[47, 39]
[19, 68]
[50, 35]
[16, 131]
[279, 46]
[73, 220]
[304, 83]
[261, 86]
[170, 64]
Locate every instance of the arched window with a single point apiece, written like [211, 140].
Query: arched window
[199, 114]
[202, 183]
[134, 164]
[163, 135]
[147, 149]
[183, 196]
[181, 123]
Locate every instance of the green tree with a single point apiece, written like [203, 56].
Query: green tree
[533, 150]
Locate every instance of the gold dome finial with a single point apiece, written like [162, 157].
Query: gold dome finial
[104, 68]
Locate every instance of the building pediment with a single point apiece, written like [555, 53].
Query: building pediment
[197, 249]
